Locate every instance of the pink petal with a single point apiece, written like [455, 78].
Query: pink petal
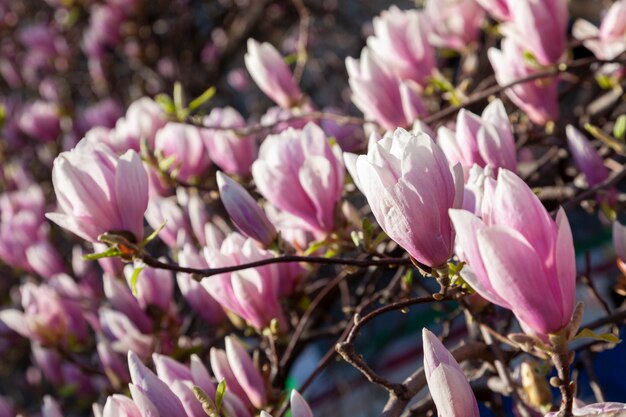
[247, 375]
[517, 275]
[451, 393]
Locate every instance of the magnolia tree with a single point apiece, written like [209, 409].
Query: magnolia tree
[176, 258]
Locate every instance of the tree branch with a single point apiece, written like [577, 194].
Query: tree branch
[209, 272]
[551, 71]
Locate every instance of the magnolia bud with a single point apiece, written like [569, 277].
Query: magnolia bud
[244, 211]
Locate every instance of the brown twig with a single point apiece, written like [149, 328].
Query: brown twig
[562, 360]
[303, 38]
[348, 352]
[209, 272]
[304, 320]
[504, 372]
[417, 380]
[591, 192]
[587, 360]
[269, 127]
[551, 71]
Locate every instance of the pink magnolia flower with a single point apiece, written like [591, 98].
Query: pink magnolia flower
[121, 298]
[47, 316]
[155, 287]
[124, 334]
[166, 211]
[112, 363]
[144, 117]
[456, 23]
[51, 407]
[292, 229]
[538, 98]
[609, 40]
[99, 192]
[619, 240]
[200, 300]
[103, 31]
[185, 144]
[6, 410]
[199, 219]
[127, 7]
[118, 405]
[585, 156]
[279, 119]
[485, 141]
[270, 72]
[104, 113]
[43, 39]
[447, 383]
[521, 258]
[113, 266]
[235, 366]
[231, 152]
[300, 172]
[40, 120]
[499, 9]
[244, 211]
[539, 27]
[410, 187]
[251, 293]
[57, 371]
[147, 385]
[475, 186]
[24, 239]
[380, 95]
[350, 137]
[401, 41]
[180, 380]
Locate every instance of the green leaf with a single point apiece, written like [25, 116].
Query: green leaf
[274, 326]
[448, 53]
[607, 209]
[530, 59]
[109, 253]
[368, 232]
[202, 98]
[460, 281]
[604, 81]
[356, 237]
[590, 334]
[379, 239]
[619, 130]
[219, 394]
[455, 269]
[133, 279]
[179, 96]
[314, 247]
[166, 103]
[153, 235]
[290, 59]
[68, 390]
[3, 115]
[441, 83]
[608, 140]
[407, 279]
[166, 164]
